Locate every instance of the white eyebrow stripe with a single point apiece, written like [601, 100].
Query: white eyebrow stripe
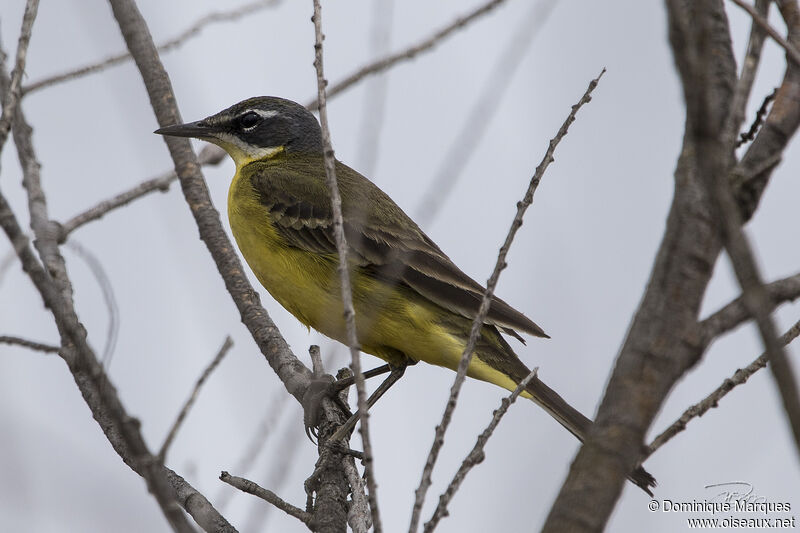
[263, 112]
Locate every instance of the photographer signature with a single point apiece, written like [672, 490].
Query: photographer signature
[735, 491]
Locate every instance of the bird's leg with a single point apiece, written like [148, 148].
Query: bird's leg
[325, 387]
[341, 384]
[395, 373]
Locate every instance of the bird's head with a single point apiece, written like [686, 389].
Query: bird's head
[256, 128]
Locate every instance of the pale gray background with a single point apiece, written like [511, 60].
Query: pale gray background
[578, 266]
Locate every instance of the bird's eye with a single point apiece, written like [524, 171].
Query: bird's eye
[249, 120]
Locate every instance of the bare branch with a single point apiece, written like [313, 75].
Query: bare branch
[476, 455]
[209, 155]
[294, 375]
[175, 42]
[226, 346]
[749, 66]
[51, 280]
[121, 430]
[750, 134]
[712, 400]
[33, 345]
[477, 323]
[359, 517]
[99, 273]
[12, 94]
[792, 52]
[408, 53]
[250, 487]
[735, 313]
[344, 273]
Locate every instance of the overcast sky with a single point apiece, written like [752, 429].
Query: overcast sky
[578, 266]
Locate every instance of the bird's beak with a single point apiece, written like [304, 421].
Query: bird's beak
[199, 130]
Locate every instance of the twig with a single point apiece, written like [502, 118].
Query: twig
[33, 345]
[699, 409]
[465, 144]
[269, 420]
[276, 472]
[344, 273]
[791, 51]
[358, 517]
[120, 429]
[292, 373]
[408, 53]
[734, 313]
[250, 487]
[99, 273]
[744, 85]
[12, 94]
[477, 323]
[209, 155]
[476, 455]
[51, 280]
[175, 42]
[316, 360]
[226, 346]
[750, 134]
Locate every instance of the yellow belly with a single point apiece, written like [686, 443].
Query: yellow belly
[393, 323]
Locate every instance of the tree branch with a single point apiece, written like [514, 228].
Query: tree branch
[294, 375]
[476, 455]
[12, 94]
[755, 45]
[792, 52]
[175, 42]
[226, 346]
[344, 273]
[662, 341]
[409, 53]
[209, 155]
[477, 323]
[735, 313]
[712, 400]
[251, 487]
[33, 345]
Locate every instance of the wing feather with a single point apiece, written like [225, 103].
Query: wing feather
[381, 238]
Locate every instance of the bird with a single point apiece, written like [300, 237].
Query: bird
[412, 303]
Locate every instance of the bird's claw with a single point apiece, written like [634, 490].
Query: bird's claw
[317, 390]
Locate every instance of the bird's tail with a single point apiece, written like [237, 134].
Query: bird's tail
[577, 424]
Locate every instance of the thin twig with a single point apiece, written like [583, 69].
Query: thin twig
[99, 273]
[276, 473]
[712, 400]
[11, 96]
[477, 323]
[476, 455]
[358, 517]
[120, 429]
[456, 158]
[750, 134]
[791, 51]
[408, 53]
[226, 346]
[344, 273]
[175, 42]
[209, 155]
[744, 85]
[33, 345]
[735, 313]
[250, 487]
[257, 441]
